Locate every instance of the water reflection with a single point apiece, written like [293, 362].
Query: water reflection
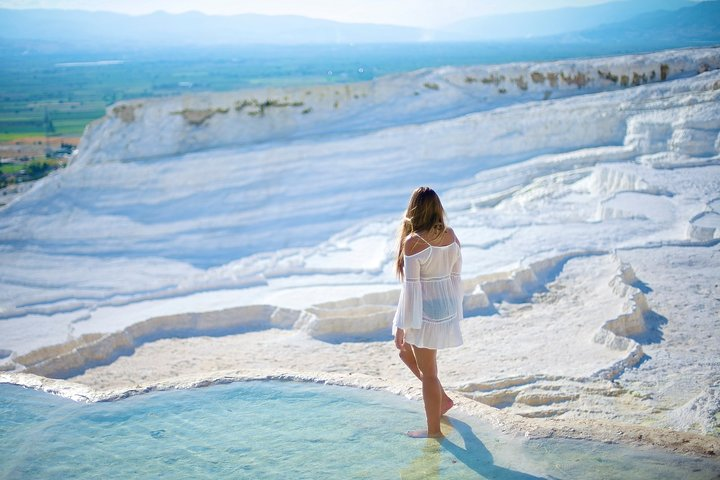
[427, 465]
[472, 454]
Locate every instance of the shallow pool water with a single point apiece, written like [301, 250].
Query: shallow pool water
[275, 429]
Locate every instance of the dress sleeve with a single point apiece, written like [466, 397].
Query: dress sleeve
[457, 283]
[409, 311]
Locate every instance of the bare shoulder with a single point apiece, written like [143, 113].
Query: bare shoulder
[454, 237]
[414, 245]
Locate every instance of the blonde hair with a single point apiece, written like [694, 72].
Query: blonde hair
[424, 213]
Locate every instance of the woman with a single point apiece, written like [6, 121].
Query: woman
[430, 307]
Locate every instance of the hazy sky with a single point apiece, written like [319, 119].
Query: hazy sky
[423, 13]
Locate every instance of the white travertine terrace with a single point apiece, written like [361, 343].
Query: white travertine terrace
[250, 234]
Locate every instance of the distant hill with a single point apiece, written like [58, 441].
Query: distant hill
[696, 25]
[653, 23]
[557, 21]
[192, 28]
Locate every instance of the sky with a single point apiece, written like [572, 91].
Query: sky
[416, 13]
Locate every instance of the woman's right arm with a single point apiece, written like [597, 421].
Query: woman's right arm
[409, 310]
[399, 338]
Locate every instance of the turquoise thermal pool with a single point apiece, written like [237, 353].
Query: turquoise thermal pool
[273, 429]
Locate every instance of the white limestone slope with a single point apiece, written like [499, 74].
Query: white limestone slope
[153, 240]
[161, 127]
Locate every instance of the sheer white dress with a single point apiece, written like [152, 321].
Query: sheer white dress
[430, 306]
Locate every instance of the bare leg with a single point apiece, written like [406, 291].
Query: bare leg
[408, 357]
[432, 392]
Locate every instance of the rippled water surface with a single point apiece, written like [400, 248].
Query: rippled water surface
[288, 430]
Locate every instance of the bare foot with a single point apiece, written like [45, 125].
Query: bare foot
[424, 434]
[447, 404]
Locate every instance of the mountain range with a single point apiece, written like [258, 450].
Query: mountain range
[672, 22]
[559, 21]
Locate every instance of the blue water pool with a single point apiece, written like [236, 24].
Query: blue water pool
[275, 429]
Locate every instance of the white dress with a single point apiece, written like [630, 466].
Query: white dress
[430, 306]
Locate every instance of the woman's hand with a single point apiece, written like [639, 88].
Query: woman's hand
[400, 338]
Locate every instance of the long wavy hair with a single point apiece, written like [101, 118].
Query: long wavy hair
[424, 213]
